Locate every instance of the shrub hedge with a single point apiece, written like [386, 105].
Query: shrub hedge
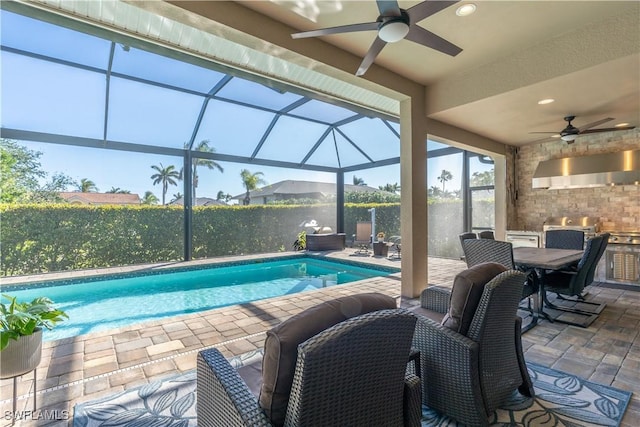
[40, 238]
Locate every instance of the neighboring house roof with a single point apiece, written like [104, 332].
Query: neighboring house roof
[200, 201]
[294, 187]
[100, 198]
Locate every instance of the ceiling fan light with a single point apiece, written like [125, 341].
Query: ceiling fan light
[393, 31]
[570, 137]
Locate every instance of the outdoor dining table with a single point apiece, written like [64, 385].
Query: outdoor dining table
[546, 258]
[542, 259]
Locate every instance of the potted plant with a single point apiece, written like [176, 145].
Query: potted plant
[21, 333]
[301, 242]
[381, 236]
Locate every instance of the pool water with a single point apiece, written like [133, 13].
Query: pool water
[99, 305]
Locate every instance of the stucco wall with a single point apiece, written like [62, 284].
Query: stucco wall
[618, 207]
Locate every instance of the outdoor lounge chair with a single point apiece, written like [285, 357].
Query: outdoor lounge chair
[362, 238]
[340, 363]
[469, 342]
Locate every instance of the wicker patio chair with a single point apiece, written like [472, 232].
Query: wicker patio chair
[353, 373]
[465, 236]
[486, 234]
[472, 360]
[479, 251]
[564, 239]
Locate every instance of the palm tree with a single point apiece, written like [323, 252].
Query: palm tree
[444, 177]
[391, 188]
[87, 186]
[251, 181]
[358, 181]
[175, 197]
[149, 199]
[207, 163]
[222, 196]
[166, 176]
[118, 190]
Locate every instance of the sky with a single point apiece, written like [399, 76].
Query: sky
[54, 98]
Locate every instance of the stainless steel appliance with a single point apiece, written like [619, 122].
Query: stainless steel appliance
[622, 258]
[528, 239]
[588, 224]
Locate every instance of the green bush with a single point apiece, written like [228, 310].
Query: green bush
[40, 238]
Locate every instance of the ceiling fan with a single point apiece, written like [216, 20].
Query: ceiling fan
[394, 24]
[570, 133]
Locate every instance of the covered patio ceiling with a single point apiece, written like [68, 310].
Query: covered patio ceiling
[77, 84]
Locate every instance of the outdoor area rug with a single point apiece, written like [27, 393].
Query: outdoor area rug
[561, 400]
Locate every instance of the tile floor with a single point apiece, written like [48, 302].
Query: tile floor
[92, 366]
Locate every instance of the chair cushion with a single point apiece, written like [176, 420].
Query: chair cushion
[466, 293]
[281, 345]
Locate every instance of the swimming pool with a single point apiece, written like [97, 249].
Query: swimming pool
[108, 302]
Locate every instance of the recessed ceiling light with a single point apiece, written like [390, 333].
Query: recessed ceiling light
[546, 101]
[466, 9]
[619, 125]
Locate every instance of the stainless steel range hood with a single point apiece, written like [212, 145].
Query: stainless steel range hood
[619, 168]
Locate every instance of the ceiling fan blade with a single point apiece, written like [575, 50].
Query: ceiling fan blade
[374, 50]
[427, 8]
[424, 37]
[388, 7]
[596, 123]
[367, 26]
[606, 129]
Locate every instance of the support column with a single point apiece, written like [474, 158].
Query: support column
[413, 209]
[187, 179]
[340, 202]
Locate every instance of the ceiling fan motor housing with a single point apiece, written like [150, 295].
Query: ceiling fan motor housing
[393, 28]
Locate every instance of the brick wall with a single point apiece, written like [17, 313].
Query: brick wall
[618, 207]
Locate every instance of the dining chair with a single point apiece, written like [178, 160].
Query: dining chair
[486, 234]
[465, 236]
[564, 239]
[479, 251]
[571, 283]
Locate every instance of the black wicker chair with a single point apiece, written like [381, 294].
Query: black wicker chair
[468, 374]
[465, 236]
[479, 251]
[486, 234]
[354, 373]
[564, 239]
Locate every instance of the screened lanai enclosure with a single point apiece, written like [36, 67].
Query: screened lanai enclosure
[154, 154]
